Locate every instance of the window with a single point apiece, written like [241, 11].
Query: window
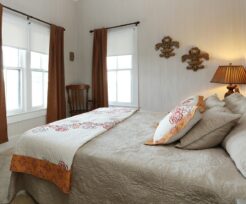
[122, 67]
[39, 67]
[14, 63]
[25, 61]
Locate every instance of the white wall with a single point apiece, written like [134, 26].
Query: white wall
[215, 26]
[62, 13]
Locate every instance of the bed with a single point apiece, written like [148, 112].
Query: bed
[116, 167]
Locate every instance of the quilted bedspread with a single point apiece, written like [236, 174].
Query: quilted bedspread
[48, 151]
[117, 167]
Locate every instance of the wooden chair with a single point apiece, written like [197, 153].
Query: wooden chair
[78, 99]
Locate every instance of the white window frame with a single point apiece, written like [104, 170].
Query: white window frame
[26, 111]
[134, 75]
[29, 88]
[22, 91]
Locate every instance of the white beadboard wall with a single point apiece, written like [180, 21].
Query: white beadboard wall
[59, 12]
[215, 26]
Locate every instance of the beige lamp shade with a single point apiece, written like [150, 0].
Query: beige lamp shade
[230, 74]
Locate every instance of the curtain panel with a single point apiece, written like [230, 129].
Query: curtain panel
[3, 114]
[99, 69]
[56, 105]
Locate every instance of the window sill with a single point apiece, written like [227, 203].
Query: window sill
[26, 116]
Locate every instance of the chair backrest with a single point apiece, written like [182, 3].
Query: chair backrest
[78, 98]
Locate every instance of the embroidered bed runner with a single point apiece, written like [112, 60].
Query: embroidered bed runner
[47, 151]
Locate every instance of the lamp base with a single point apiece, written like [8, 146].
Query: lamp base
[231, 90]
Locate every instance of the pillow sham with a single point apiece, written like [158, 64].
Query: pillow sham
[210, 131]
[175, 125]
[236, 103]
[235, 145]
[220, 109]
[195, 101]
[213, 101]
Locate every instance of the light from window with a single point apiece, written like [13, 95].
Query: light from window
[112, 82]
[37, 89]
[119, 79]
[13, 90]
[122, 67]
[13, 61]
[39, 67]
[124, 86]
[125, 62]
[25, 61]
[10, 57]
[35, 60]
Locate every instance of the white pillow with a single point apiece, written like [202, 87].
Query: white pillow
[235, 145]
[213, 101]
[175, 125]
[236, 103]
[211, 130]
[220, 109]
[195, 101]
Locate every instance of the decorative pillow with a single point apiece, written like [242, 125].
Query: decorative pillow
[236, 103]
[235, 145]
[175, 125]
[210, 131]
[195, 101]
[213, 101]
[220, 109]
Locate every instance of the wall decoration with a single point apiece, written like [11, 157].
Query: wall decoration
[167, 47]
[194, 58]
[71, 56]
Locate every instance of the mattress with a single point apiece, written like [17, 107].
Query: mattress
[116, 167]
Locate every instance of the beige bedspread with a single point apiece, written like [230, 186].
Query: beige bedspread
[117, 168]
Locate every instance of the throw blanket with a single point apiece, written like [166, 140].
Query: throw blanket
[47, 152]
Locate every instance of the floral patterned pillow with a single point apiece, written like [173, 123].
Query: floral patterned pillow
[195, 101]
[175, 125]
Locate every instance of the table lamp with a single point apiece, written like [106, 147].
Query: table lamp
[231, 75]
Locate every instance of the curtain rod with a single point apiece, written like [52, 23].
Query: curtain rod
[135, 23]
[28, 16]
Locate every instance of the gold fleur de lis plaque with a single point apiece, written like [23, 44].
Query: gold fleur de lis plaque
[167, 47]
[195, 58]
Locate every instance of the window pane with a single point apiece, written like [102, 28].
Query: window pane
[112, 86]
[44, 62]
[125, 62]
[10, 57]
[45, 88]
[13, 89]
[124, 86]
[22, 58]
[35, 60]
[4, 76]
[37, 89]
[111, 63]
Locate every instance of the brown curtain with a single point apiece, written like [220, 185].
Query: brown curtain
[3, 117]
[99, 69]
[56, 107]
